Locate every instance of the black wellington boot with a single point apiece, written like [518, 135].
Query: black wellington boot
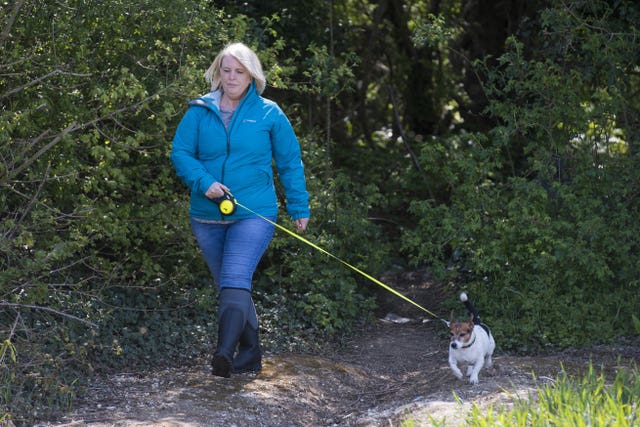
[249, 357]
[230, 327]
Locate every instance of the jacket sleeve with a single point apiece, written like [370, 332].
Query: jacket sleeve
[184, 153]
[288, 161]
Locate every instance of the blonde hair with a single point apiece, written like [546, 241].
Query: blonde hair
[244, 55]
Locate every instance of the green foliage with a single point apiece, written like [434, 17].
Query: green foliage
[327, 75]
[435, 31]
[98, 266]
[591, 400]
[636, 324]
[321, 295]
[540, 222]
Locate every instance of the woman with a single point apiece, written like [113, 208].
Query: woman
[225, 144]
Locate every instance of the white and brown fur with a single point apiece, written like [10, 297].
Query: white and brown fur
[471, 343]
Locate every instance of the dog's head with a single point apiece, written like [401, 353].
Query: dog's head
[461, 332]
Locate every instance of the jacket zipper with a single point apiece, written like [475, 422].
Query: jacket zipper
[228, 132]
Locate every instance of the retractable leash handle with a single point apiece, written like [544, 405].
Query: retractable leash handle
[227, 204]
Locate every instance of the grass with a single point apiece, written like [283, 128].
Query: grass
[590, 401]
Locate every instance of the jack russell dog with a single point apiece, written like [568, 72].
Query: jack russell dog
[471, 343]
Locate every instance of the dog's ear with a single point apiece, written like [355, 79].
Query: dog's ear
[471, 318]
[453, 318]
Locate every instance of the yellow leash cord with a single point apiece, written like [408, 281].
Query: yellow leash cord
[373, 279]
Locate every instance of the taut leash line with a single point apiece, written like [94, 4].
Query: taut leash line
[356, 269]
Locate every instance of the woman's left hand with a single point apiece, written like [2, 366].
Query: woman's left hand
[301, 224]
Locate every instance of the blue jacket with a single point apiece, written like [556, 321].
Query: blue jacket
[240, 157]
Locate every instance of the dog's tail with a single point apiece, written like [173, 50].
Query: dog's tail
[472, 310]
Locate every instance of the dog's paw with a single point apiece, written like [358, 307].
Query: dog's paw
[456, 372]
[473, 379]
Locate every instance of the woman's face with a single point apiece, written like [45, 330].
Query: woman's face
[235, 78]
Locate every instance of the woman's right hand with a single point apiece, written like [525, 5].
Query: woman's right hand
[216, 190]
[301, 224]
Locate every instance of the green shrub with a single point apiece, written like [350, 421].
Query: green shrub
[95, 261]
[317, 294]
[98, 266]
[540, 219]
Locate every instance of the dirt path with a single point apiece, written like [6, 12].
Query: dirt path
[391, 372]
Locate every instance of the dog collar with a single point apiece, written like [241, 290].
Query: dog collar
[472, 342]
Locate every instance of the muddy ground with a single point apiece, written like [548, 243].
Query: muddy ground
[391, 374]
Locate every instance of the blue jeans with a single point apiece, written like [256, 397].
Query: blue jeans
[232, 251]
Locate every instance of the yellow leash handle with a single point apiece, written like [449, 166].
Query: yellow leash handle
[313, 245]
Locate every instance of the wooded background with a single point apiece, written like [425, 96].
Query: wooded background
[495, 143]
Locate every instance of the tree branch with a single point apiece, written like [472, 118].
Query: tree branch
[7, 29]
[39, 79]
[49, 309]
[28, 208]
[10, 174]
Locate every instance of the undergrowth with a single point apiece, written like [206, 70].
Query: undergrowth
[578, 402]
[590, 400]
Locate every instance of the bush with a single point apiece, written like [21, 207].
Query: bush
[98, 267]
[307, 292]
[95, 262]
[540, 223]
